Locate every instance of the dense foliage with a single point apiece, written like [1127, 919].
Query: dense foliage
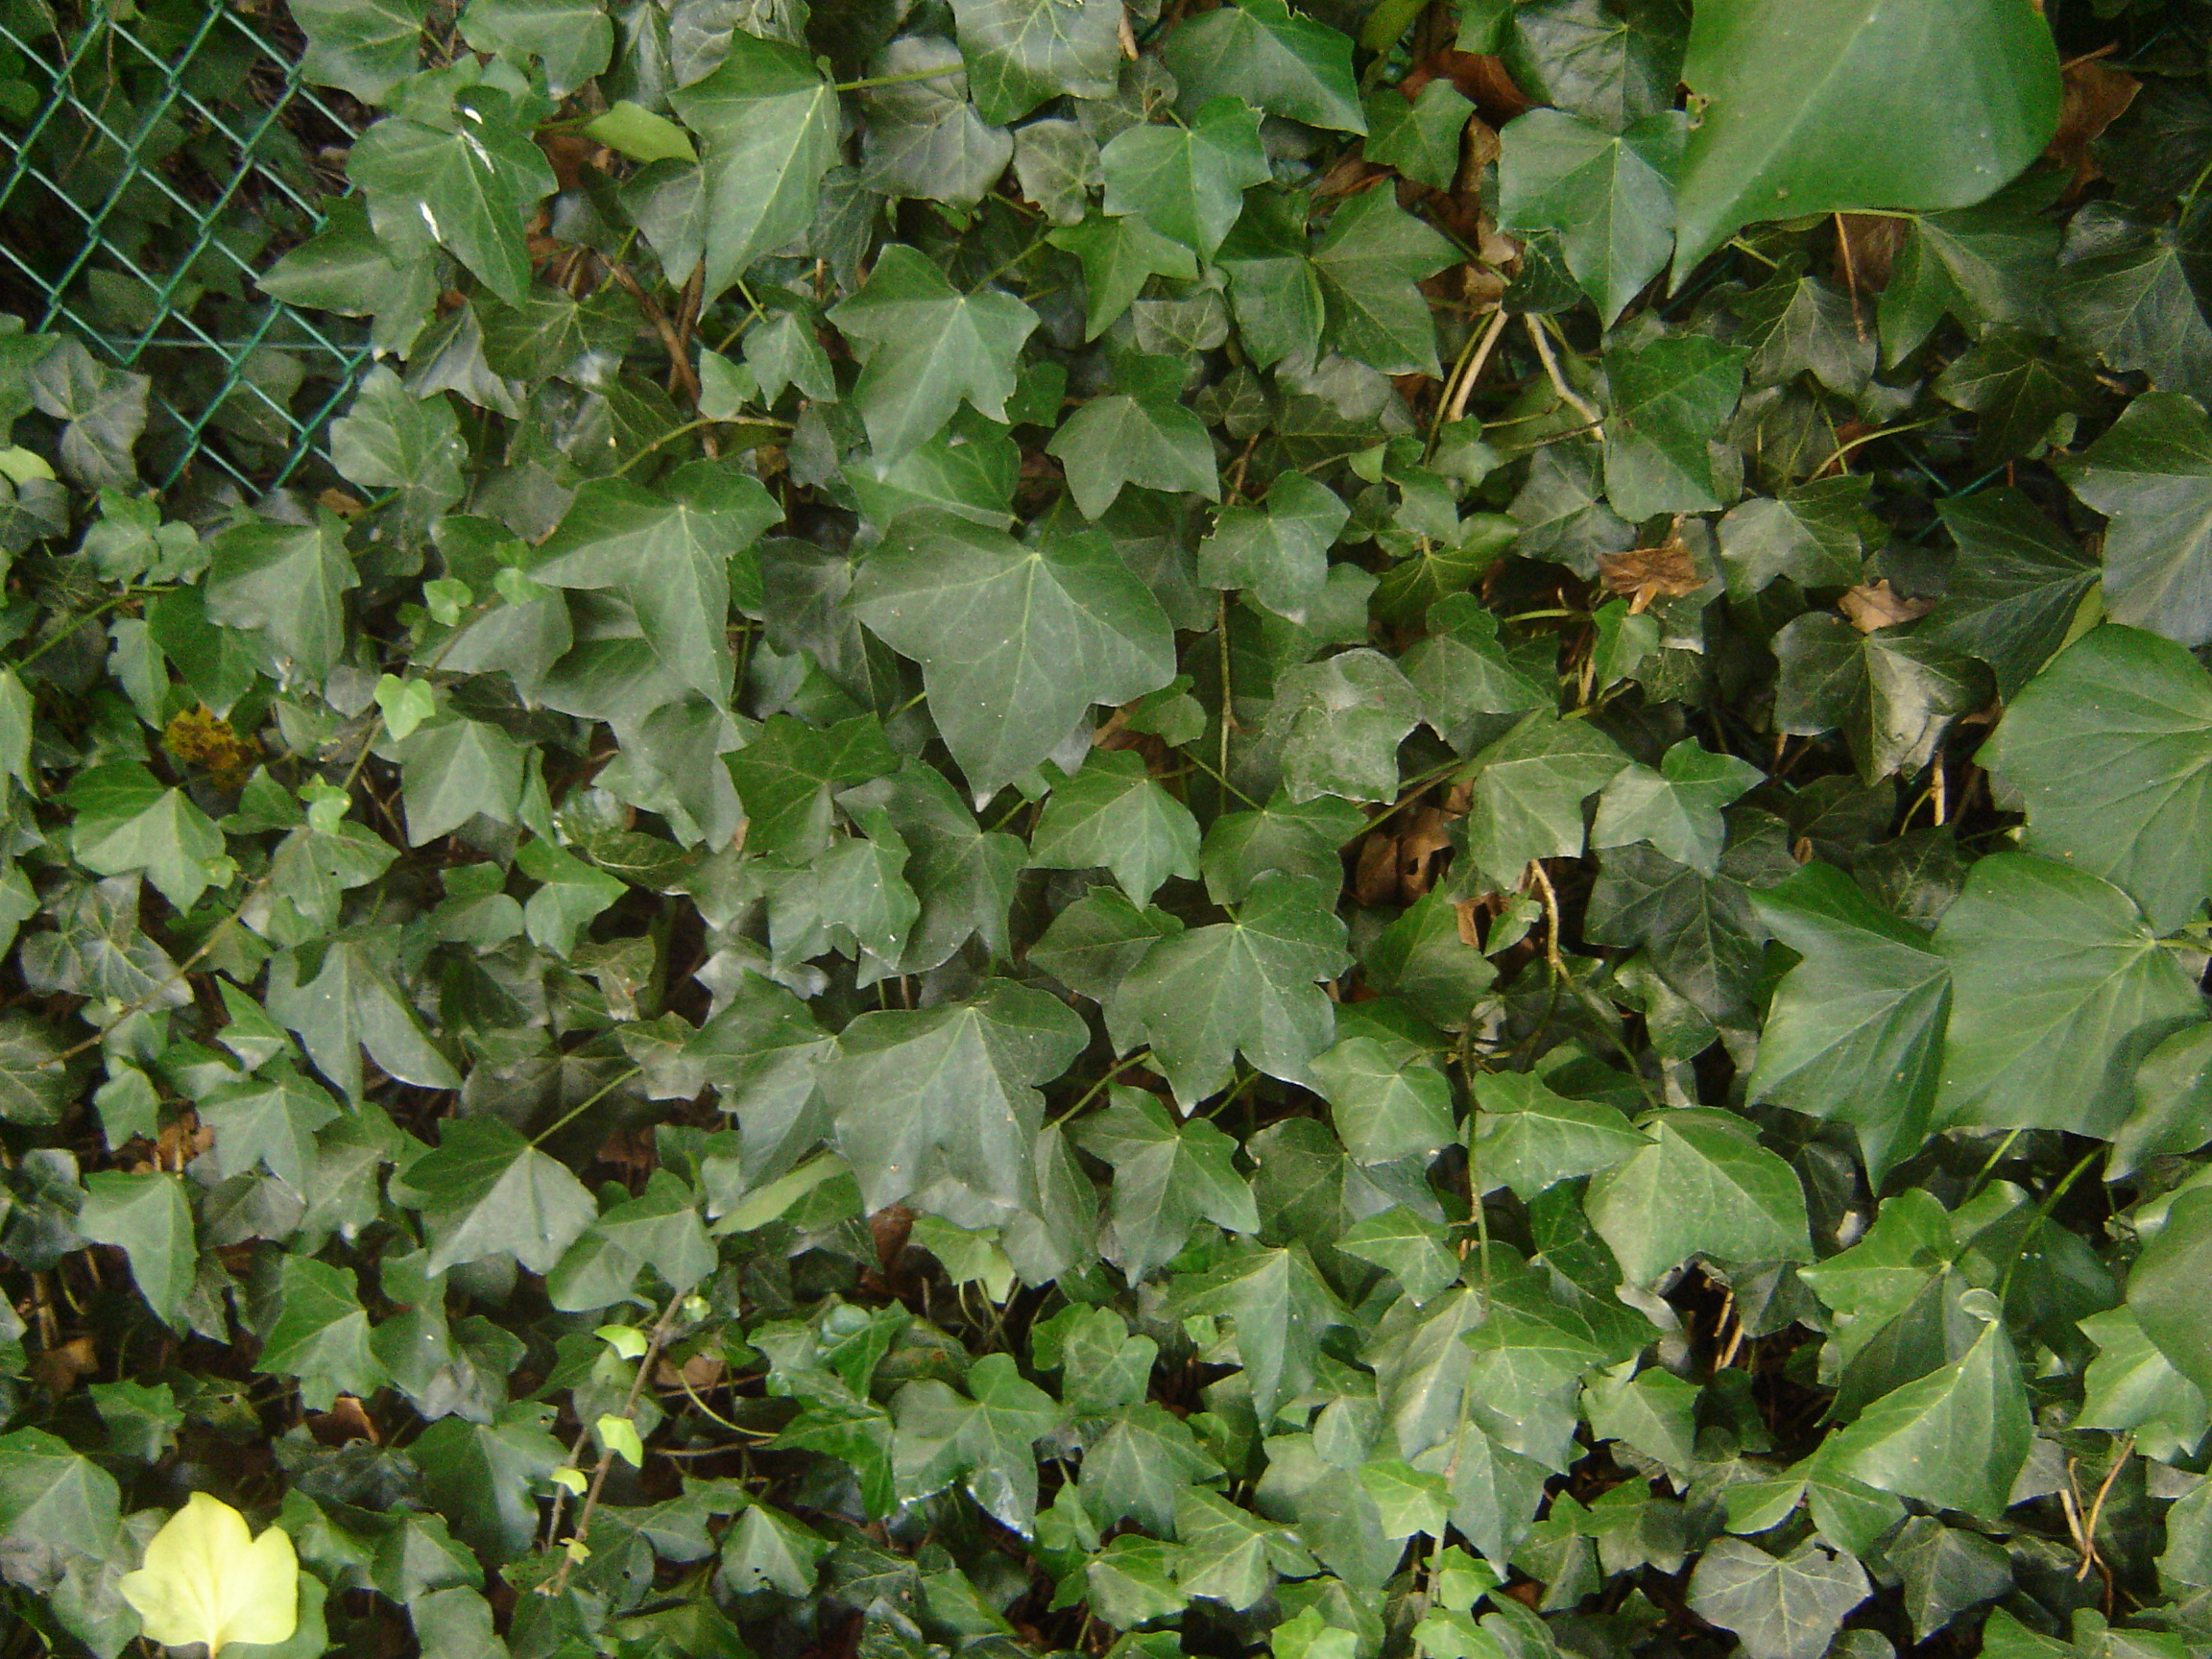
[1174, 829]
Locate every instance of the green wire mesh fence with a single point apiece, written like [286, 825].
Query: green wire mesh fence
[154, 157]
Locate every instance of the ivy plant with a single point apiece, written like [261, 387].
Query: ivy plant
[1378, 832]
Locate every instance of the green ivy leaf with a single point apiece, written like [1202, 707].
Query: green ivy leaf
[2016, 589]
[1244, 986]
[1676, 808]
[456, 770]
[2139, 818]
[1954, 1439]
[1529, 1138]
[1280, 552]
[1265, 54]
[1016, 642]
[2166, 1288]
[366, 49]
[925, 346]
[981, 1440]
[1419, 138]
[1855, 1028]
[1338, 723]
[1112, 814]
[1816, 535]
[1883, 127]
[573, 38]
[1282, 1309]
[1188, 182]
[770, 123]
[1608, 196]
[349, 1004]
[2060, 988]
[1369, 262]
[284, 582]
[2151, 473]
[1700, 1184]
[1669, 398]
[675, 553]
[148, 1218]
[940, 1104]
[1120, 256]
[1143, 440]
[321, 1335]
[126, 823]
[1527, 792]
[485, 1190]
[1021, 53]
[1385, 1105]
[1892, 693]
[467, 190]
[2027, 396]
[1785, 1608]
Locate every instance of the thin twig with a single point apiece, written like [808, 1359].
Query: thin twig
[1451, 404]
[681, 377]
[1543, 880]
[1850, 277]
[660, 1328]
[1568, 395]
[2089, 1556]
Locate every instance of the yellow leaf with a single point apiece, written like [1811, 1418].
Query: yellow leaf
[207, 1580]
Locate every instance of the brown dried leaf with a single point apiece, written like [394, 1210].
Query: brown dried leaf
[1878, 605]
[182, 1141]
[1665, 572]
[1420, 851]
[701, 1371]
[2096, 95]
[890, 1228]
[344, 1422]
[1869, 248]
[1375, 870]
[58, 1368]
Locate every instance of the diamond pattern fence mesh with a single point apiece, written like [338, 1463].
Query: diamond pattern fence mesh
[154, 157]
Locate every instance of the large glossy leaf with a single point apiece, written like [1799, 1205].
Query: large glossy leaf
[939, 1105]
[2060, 988]
[1608, 196]
[2139, 817]
[770, 123]
[1247, 986]
[2151, 473]
[1016, 642]
[1851, 103]
[1956, 1438]
[928, 348]
[1700, 1184]
[2166, 1288]
[467, 186]
[1856, 1027]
